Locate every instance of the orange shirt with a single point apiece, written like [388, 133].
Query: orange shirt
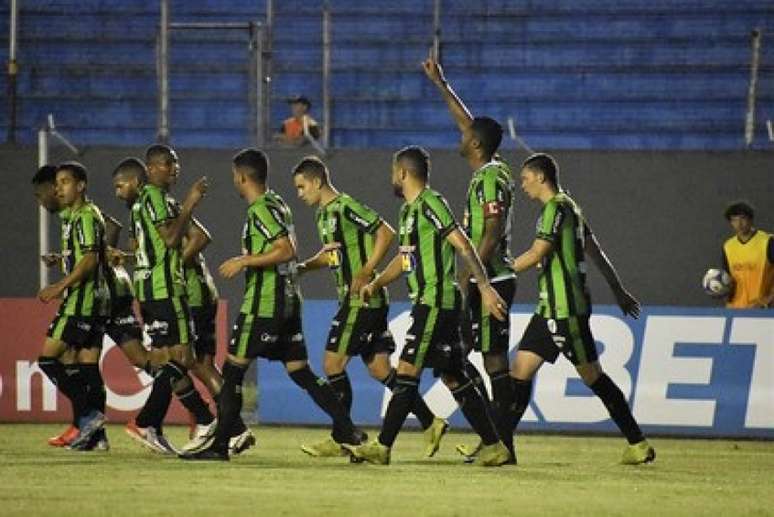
[751, 268]
[294, 128]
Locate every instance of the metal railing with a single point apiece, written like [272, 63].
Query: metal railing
[258, 78]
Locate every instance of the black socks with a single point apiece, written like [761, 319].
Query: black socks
[616, 405]
[404, 395]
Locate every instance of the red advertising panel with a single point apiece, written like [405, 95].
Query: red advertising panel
[26, 395]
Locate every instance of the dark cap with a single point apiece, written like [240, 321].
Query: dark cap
[300, 99]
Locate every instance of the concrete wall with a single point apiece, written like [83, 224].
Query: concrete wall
[658, 215]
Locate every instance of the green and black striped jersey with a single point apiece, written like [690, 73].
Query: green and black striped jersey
[270, 291]
[83, 232]
[427, 256]
[199, 285]
[491, 193]
[562, 281]
[158, 271]
[347, 230]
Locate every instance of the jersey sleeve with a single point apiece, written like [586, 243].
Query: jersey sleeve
[157, 207]
[86, 232]
[437, 211]
[493, 195]
[361, 216]
[550, 220]
[268, 222]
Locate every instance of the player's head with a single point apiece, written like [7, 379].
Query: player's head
[128, 176]
[71, 180]
[538, 172]
[310, 176]
[410, 164]
[481, 139]
[741, 215]
[250, 166]
[44, 188]
[163, 165]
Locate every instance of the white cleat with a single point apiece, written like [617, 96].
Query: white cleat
[204, 434]
[241, 442]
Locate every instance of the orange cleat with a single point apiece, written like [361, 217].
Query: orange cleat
[64, 439]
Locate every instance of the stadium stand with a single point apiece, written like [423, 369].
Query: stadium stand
[594, 74]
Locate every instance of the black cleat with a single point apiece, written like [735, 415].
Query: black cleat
[208, 454]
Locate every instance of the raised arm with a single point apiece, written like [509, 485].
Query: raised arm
[460, 113]
[173, 230]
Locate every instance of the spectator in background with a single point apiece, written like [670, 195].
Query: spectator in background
[297, 129]
[748, 257]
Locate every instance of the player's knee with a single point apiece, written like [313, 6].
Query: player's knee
[495, 362]
[379, 366]
[334, 364]
[408, 369]
[589, 372]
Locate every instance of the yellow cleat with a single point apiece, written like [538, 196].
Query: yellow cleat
[433, 435]
[372, 452]
[493, 455]
[640, 452]
[469, 451]
[327, 448]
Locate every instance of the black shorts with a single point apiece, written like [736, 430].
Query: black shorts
[204, 329]
[275, 339]
[78, 332]
[433, 340]
[167, 322]
[490, 334]
[360, 331]
[570, 336]
[123, 326]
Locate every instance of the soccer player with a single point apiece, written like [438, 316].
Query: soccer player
[428, 238]
[355, 240]
[44, 190]
[269, 321]
[158, 228]
[79, 323]
[487, 223]
[561, 320]
[748, 257]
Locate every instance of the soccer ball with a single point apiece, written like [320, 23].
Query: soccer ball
[716, 283]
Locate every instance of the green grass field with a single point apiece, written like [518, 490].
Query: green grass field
[557, 475]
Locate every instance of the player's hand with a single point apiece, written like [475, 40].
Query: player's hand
[360, 280]
[117, 257]
[197, 191]
[51, 259]
[367, 291]
[628, 303]
[50, 292]
[493, 303]
[433, 70]
[232, 267]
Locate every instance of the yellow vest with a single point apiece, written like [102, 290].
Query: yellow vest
[750, 268]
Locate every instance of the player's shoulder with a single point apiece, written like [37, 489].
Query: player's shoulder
[495, 169]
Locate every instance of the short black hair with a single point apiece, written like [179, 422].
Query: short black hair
[254, 161]
[76, 169]
[740, 208]
[416, 160]
[544, 163]
[162, 151]
[133, 165]
[314, 168]
[45, 174]
[489, 132]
